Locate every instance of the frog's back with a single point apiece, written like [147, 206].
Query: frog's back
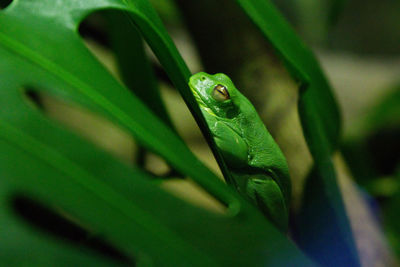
[264, 152]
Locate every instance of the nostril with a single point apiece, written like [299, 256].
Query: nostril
[203, 78]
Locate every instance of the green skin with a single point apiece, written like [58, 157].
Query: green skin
[257, 165]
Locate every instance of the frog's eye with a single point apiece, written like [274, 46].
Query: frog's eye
[220, 93]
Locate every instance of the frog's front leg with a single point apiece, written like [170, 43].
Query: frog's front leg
[267, 195]
[234, 149]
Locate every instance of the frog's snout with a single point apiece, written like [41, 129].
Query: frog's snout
[200, 76]
[200, 80]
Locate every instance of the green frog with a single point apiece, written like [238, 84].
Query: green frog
[256, 163]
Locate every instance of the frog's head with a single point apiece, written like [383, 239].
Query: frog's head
[215, 94]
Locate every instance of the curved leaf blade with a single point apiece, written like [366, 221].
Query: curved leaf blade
[103, 95]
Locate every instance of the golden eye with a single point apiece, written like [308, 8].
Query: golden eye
[220, 93]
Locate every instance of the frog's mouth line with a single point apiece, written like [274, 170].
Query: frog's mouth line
[201, 102]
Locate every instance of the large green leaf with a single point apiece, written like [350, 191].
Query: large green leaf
[40, 49]
[134, 66]
[321, 125]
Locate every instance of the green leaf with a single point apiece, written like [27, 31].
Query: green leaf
[134, 66]
[26, 246]
[40, 49]
[175, 67]
[58, 74]
[321, 126]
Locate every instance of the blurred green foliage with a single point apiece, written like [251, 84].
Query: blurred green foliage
[108, 213]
